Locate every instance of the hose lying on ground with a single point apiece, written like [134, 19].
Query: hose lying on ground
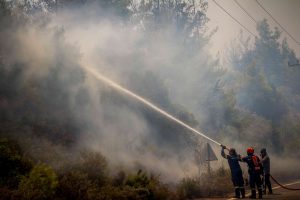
[287, 188]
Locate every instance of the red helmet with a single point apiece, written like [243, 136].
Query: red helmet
[250, 150]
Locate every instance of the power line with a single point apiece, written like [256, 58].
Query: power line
[234, 18]
[245, 11]
[277, 22]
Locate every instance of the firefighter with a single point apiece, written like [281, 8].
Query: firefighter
[255, 171]
[265, 161]
[236, 171]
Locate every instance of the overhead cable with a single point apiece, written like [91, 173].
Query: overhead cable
[234, 18]
[245, 11]
[260, 5]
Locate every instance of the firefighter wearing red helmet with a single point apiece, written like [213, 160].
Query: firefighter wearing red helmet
[250, 151]
[255, 171]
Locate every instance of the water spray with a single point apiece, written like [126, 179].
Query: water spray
[116, 86]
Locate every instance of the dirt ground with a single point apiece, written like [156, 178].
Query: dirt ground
[278, 194]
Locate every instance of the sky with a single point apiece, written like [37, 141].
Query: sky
[286, 12]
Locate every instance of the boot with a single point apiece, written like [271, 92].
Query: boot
[242, 192]
[253, 194]
[270, 192]
[270, 189]
[260, 193]
[237, 193]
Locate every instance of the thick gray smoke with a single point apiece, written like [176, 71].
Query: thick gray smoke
[164, 60]
[51, 48]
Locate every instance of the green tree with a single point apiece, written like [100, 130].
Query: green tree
[41, 183]
[265, 85]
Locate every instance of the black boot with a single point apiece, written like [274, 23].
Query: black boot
[253, 194]
[270, 189]
[242, 192]
[237, 193]
[260, 193]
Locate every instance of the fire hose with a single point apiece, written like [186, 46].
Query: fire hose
[284, 187]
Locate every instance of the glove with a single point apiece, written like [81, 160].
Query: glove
[223, 146]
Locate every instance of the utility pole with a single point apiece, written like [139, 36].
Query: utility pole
[208, 159]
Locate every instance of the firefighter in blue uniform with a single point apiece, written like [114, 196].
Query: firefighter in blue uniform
[236, 171]
[255, 171]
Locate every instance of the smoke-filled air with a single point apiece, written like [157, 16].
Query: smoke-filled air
[117, 99]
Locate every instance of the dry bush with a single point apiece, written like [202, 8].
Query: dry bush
[216, 184]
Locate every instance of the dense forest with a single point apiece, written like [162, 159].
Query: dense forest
[66, 135]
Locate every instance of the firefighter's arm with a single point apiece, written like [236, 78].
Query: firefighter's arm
[243, 159]
[223, 152]
[240, 157]
[263, 159]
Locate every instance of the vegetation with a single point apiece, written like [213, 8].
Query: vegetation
[87, 181]
[40, 184]
[214, 184]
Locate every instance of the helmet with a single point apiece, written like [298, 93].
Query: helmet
[250, 150]
[232, 151]
[263, 150]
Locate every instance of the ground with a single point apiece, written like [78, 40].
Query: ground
[279, 193]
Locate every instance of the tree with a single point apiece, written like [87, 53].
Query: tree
[40, 184]
[265, 85]
[94, 165]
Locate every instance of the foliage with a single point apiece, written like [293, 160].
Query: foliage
[74, 185]
[214, 184]
[13, 164]
[94, 165]
[189, 188]
[187, 18]
[137, 186]
[263, 89]
[40, 184]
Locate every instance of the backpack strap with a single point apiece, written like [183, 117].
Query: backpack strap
[256, 163]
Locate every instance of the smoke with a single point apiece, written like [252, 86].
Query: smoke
[51, 52]
[148, 64]
[158, 61]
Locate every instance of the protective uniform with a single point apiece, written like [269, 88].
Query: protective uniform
[236, 171]
[265, 160]
[255, 170]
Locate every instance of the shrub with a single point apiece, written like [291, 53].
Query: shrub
[40, 184]
[74, 185]
[94, 165]
[119, 179]
[110, 192]
[135, 186]
[13, 164]
[189, 188]
[147, 187]
[217, 183]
